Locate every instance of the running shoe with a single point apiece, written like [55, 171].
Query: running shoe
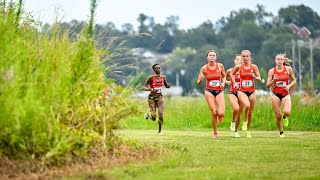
[281, 135]
[233, 126]
[220, 118]
[285, 122]
[160, 133]
[248, 134]
[236, 134]
[215, 136]
[147, 115]
[244, 126]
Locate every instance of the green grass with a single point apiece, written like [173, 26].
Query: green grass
[195, 155]
[188, 113]
[187, 151]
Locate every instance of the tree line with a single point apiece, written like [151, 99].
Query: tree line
[183, 52]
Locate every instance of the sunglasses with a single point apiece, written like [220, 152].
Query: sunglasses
[245, 56]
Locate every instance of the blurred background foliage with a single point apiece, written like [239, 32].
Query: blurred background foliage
[263, 33]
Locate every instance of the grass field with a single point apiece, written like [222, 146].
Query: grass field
[195, 155]
[187, 151]
[191, 113]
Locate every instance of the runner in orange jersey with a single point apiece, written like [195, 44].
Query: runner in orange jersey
[279, 77]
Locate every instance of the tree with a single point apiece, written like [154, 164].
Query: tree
[262, 16]
[144, 39]
[317, 82]
[197, 37]
[182, 62]
[127, 29]
[251, 36]
[161, 39]
[142, 27]
[229, 25]
[278, 40]
[172, 24]
[302, 16]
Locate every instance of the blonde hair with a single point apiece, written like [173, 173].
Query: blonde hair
[246, 51]
[286, 60]
[235, 57]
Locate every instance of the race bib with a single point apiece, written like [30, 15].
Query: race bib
[158, 89]
[281, 83]
[247, 83]
[214, 83]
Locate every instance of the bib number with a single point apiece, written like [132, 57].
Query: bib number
[247, 83]
[281, 83]
[214, 83]
[158, 89]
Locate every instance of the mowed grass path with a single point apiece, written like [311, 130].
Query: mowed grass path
[195, 155]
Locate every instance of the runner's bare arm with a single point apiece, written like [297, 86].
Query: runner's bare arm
[223, 74]
[201, 75]
[166, 84]
[270, 79]
[236, 69]
[257, 73]
[293, 78]
[228, 74]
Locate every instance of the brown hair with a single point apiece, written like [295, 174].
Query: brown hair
[212, 51]
[153, 66]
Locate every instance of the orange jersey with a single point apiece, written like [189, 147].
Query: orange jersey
[282, 80]
[157, 84]
[246, 79]
[213, 78]
[237, 81]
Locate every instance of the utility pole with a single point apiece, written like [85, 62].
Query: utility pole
[293, 55]
[311, 60]
[304, 34]
[177, 79]
[299, 54]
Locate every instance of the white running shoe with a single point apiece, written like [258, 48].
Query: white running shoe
[233, 126]
[236, 134]
[147, 115]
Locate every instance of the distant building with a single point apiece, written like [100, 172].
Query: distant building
[149, 56]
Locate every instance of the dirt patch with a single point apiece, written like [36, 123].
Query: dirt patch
[30, 169]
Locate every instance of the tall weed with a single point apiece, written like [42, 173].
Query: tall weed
[50, 93]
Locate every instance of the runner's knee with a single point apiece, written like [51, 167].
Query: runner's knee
[286, 113]
[221, 114]
[214, 113]
[236, 109]
[246, 105]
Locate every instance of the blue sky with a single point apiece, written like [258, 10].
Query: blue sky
[192, 13]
